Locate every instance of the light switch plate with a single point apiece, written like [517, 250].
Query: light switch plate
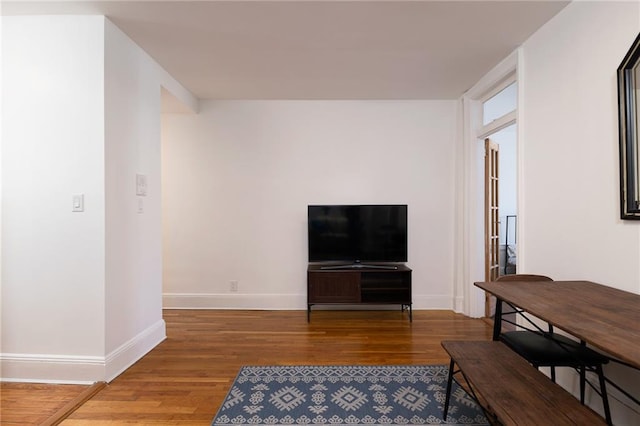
[141, 185]
[77, 203]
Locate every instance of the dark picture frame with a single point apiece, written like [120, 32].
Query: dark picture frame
[629, 119]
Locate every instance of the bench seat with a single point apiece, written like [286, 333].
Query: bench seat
[513, 391]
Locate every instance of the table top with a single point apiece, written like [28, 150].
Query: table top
[604, 317]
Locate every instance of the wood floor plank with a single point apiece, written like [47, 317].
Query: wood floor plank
[184, 380]
[34, 403]
[66, 410]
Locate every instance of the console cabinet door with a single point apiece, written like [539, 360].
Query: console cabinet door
[333, 287]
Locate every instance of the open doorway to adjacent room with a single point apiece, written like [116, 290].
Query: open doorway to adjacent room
[508, 197]
[499, 135]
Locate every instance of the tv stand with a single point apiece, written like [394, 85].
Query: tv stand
[359, 284]
[358, 265]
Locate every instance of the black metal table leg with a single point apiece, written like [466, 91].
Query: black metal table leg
[448, 394]
[497, 320]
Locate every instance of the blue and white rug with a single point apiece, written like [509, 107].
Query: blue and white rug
[345, 395]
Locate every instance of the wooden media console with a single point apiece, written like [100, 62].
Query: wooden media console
[359, 285]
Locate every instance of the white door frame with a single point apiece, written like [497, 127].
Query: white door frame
[470, 235]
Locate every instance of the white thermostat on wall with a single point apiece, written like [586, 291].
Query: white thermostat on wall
[141, 184]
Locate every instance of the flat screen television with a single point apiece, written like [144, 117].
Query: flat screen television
[356, 234]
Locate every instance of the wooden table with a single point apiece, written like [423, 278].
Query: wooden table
[604, 317]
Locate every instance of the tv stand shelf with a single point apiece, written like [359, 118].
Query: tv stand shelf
[361, 285]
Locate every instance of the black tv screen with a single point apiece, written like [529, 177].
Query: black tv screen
[357, 233]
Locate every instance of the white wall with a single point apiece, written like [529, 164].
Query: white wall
[571, 169]
[133, 293]
[238, 177]
[570, 206]
[81, 115]
[53, 142]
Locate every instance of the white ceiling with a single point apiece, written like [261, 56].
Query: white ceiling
[319, 49]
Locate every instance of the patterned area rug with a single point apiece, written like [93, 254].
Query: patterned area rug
[345, 395]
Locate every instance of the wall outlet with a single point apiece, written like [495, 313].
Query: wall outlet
[233, 286]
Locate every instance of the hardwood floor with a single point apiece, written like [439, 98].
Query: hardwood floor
[184, 380]
[34, 404]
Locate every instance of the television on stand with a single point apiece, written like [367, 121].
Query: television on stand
[358, 236]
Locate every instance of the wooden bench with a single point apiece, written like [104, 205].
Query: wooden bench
[510, 390]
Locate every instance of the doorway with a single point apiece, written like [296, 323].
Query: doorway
[506, 140]
[487, 108]
[499, 131]
[500, 186]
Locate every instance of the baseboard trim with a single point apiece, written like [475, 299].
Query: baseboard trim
[433, 302]
[52, 369]
[274, 301]
[127, 354]
[234, 301]
[70, 369]
[458, 305]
